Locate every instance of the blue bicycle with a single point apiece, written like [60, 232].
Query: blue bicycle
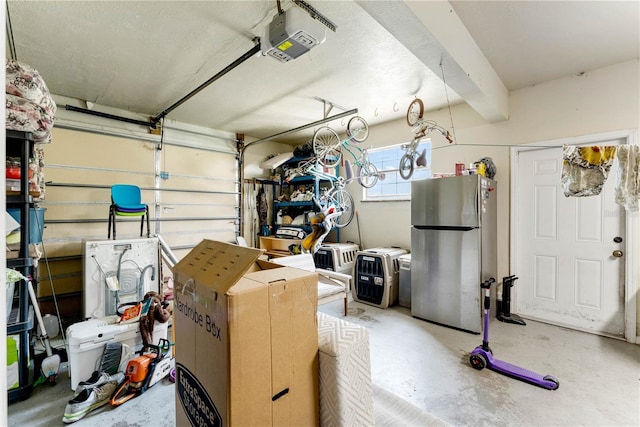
[327, 147]
[336, 197]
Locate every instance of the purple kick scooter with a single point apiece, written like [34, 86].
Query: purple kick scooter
[482, 355]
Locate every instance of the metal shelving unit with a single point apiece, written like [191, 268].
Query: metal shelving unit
[20, 321]
[301, 206]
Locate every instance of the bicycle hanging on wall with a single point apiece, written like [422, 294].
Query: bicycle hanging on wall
[327, 147]
[336, 196]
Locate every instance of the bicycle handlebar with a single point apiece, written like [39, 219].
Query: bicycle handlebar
[426, 126]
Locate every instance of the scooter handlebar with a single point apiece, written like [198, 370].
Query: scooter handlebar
[487, 283]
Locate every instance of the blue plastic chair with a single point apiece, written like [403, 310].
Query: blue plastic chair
[126, 200]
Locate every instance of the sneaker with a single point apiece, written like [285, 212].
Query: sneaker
[96, 379]
[90, 398]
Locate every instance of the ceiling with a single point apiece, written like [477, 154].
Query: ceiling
[144, 56]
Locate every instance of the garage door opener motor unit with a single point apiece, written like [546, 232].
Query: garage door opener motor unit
[291, 34]
[376, 276]
[338, 257]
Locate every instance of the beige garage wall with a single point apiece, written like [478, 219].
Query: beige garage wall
[599, 101]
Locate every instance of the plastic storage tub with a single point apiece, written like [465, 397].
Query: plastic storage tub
[86, 342]
[36, 222]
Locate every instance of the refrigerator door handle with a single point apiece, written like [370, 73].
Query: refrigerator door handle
[476, 200]
[445, 227]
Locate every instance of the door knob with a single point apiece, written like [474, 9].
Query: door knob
[617, 253]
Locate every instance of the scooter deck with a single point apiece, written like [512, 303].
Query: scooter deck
[516, 372]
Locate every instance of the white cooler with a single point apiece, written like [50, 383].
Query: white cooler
[86, 342]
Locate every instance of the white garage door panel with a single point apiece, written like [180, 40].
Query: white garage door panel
[194, 199]
[193, 183]
[208, 179]
[190, 238]
[90, 150]
[198, 166]
[86, 164]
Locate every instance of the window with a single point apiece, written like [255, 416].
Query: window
[393, 186]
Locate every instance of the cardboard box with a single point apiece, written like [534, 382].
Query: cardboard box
[275, 246]
[246, 340]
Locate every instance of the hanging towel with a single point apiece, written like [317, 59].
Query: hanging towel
[585, 169]
[628, 184]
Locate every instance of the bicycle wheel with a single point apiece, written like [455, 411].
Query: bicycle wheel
[406, 166]
[357, 129]
[415, 111]
[325, 146]
[343, 201]
[368, 175]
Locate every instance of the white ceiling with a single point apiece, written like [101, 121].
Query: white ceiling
[144, 56]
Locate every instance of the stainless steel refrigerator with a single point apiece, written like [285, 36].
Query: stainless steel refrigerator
[453, 249]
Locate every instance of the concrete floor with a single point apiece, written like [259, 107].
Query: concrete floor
[428, 366]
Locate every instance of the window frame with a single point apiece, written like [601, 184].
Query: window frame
[367, 197]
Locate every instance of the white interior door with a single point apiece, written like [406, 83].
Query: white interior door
[564, 248]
